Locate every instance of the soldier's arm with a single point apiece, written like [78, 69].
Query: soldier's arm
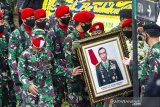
[59, 70]
[68, 46]
[12, 51]
[50, 41]
[67, 72]
[22, 71]
[7, 33]
[7, 28]
[154, 65]
[68, 51]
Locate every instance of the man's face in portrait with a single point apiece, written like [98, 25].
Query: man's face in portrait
[103, 54]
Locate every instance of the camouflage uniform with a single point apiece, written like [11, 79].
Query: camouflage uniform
[51, 21]
[76, 86]
[18, 42]
[38, 68]
[151, 65]
[56, 38]
[7, 94]
[8, 6]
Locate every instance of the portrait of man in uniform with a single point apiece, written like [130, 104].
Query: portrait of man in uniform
[107, 70]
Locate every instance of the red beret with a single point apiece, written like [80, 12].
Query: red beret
[97, 26]
[27, 12]
[83, 16]
[127, 22]
[39, 13]
[61, 10]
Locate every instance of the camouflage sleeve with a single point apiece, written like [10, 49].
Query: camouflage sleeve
[68, 51]
[48, 21]
[49, 40]
[59, 70]
[154, 65]
[68, 46]
[140, 69]
[12, 51]
[51, 21]
[22, 72]
[7, 28]
[7, 33]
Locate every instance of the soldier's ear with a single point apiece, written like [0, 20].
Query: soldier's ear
[24, 20]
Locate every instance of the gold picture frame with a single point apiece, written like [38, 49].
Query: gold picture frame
[119, 79]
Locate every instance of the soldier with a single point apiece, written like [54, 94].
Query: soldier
[76, 86]
[7, 94]
[40, 19]
[51, 20]
[142, 46]
[124, 15]
[36, 67]
[18, 42]
[7, 7]
[56, 37]
[151, 65]
[107, 70]
[97, 29]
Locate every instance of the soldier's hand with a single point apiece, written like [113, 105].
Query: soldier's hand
[127, 61]
[77, 71]
[33, 89]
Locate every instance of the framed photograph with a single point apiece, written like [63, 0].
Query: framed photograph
[104, 72]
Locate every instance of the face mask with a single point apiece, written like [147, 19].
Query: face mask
[41, 25]
[86, 27]
[65, 20]
[128, 34]
[38, 43]
[1, 28]
[30, 22]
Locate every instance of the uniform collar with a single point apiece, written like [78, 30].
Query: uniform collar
[82, 34]
[86, 35]
[28, 29]
[64, 28]
[106, 63]
[156, 45]
[35, 52]
[1, 35]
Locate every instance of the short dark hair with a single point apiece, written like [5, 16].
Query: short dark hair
[101, 49]
[125, 13]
